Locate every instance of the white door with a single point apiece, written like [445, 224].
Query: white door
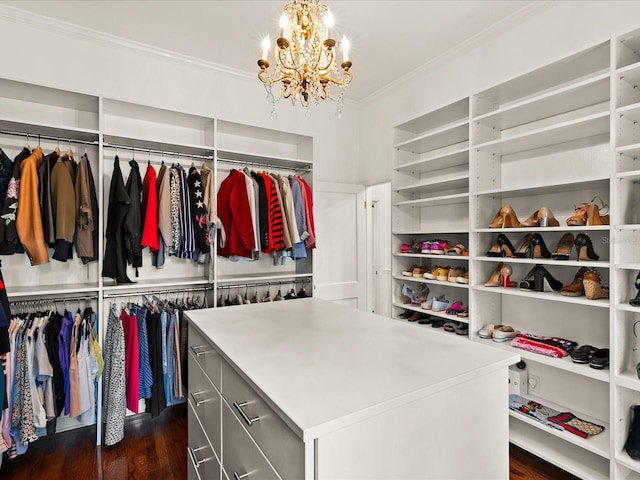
[340, 257]
[379, 249]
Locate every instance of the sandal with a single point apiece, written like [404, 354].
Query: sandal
[487, 331]
[450, 326]
[462, 329]
[464, 313]
[454, 309]
[437, 323]
[458, 249]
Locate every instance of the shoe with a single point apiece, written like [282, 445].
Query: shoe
[442, 273]
[563, 250]
[464, 278]
[464, 313]
[632, 444]
[541, 218]
[437, 323]
[406, 246]
[418, 272]
[415, 296]
[502, 248]
[541, 275]
[462, 328]
[440, 305]
[636, 301]
[426, 320]
[425, 247]
[505, 218]
[454, 308]
[458, 249]
[503, 333]
[582, 354]
[440, 247]
[593, 288]
[528, 281]
[487, 330]
[406, 314]
[523, 248]
[454, 273]
[588, 214]
[409, 271]
[539, 248]
[505, 275]
[430, 273]
[450, 326]
[500, 277]
[428, 303]
[585, 248]
[575, 288]
[416, 316]
[599, 359]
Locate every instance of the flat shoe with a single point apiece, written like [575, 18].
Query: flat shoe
[437, 323]
[582, 354]
[487, 330]
[450, 326]
[600, 359]
[462, 329]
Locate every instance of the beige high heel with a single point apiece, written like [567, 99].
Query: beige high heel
[588, 214]
[505, 218]
[541, 218]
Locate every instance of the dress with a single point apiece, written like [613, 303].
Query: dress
[114, 395]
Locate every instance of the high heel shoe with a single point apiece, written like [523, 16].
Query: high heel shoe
[541, 218]
[588, 214]
[575, 288]
[593, 288]
[636, 301]
[563, 250]
[540, 275]
[523, 247]
[505, 218]
[528, 281]
[585, 248]
[502, 248]
[505, 274]
[539, 248]
[494, 279]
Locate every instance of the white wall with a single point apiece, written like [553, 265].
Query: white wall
[37, 50]
[547, 32]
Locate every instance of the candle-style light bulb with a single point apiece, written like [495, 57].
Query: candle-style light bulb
[284, 23]
[328, 22]
[345, 49]
[266, 44]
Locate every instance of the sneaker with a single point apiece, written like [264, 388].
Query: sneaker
[440, 247]
[431, 273]
[463, 278]
[440, 305]
[429, 303]
[404, 248]
[409, 271]
[418, 272]
[442, 273]
[426, 247]
[454, 273]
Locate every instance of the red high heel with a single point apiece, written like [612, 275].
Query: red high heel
[505, 274]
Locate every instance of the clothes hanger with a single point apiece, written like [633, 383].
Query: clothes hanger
[27, 146]
[69, 152]
[57, 149]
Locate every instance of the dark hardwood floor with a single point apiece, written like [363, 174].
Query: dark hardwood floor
[155, 449]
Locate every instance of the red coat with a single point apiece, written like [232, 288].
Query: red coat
[150, 210]
[233, 210]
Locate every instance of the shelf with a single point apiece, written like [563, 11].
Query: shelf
[436, 201]
[546, 261]
[143, 144]
[156, 284]
[552, 448]
[430, 255]
[632, 176]
[628, 266]
[550, 296]
[249, 158]
[585, 92]
[450, 135]
[550, 188]
[79, 289]
[598, 444]
[628, 379]
[625, 460]
[561, 228]
[429, 232]
[431, 282]
[629, 226]
[630, 73]
[444, 316]
[453, 158]
[427, 186]
[627, 308]
[630, 112]
[560, 363]
[49, 130]
[632, 150]
[283, 278]
[564, 132]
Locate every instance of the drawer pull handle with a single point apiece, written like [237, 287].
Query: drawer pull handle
[192, 454]
[199, 402]
[240, 477]
[199, 350]
[239, 408]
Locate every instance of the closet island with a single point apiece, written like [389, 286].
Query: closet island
[309, 389]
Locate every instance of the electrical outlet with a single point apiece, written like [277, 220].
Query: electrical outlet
[534, 384]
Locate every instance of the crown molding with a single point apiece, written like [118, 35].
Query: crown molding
[17, 15]
[510, 21]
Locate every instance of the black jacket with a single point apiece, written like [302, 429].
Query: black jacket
[133, 220]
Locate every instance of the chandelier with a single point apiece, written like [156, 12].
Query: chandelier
[305, 57]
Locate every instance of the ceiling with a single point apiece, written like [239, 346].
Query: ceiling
[389, 38]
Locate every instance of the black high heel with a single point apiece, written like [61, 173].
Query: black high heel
[585, 248]
[540, 275]
[502, 248]
[523, 247]
[538, 247]
[636, 301]
[528, 282]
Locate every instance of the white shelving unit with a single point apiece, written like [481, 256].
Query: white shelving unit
[555, 137]
[106, 127]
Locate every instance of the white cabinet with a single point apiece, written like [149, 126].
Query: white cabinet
[312, 389]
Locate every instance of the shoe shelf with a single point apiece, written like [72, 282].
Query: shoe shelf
[598, 444]
[431, 282]
[452, 182]
[453, 199]
[632, 150]
[625, 460]
[629, 112]
[549, 188]
[445, 316]
[430, 255]
[561, 228]
[628, 379]
[453, 134]
[550, 296]
[547, 261]
[631, 176]
[634, 226]
[592, 89]
[428, 232]
[628, 266]
[553, 449]
[565, 363]
[436, 161]
[625, 307]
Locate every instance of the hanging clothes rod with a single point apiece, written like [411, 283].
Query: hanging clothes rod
[264, 284]
[48, 137]
[158, 152]
[203, 288]
[264, 165]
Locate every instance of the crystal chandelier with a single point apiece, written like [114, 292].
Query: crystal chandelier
[305, 57]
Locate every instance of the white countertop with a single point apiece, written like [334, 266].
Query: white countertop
[326, 366]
